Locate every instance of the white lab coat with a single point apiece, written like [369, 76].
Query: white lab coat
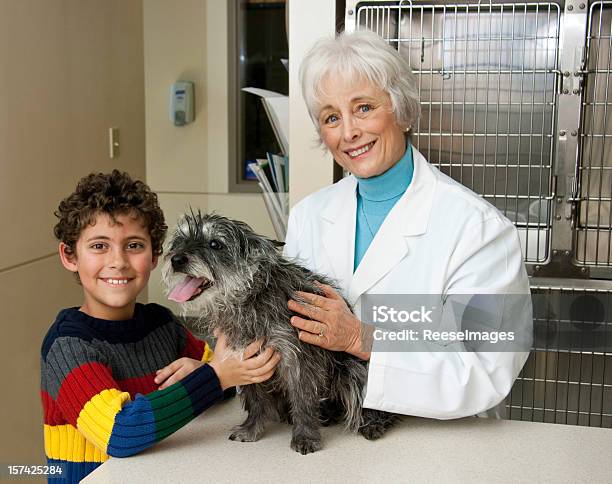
[439, 238]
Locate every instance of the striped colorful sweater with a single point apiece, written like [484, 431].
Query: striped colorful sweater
[98, 394]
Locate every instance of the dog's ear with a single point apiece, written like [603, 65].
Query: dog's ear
[272, 244]
[261, 244]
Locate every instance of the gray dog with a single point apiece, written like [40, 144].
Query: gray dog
[238, 283]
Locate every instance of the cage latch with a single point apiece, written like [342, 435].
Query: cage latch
[571, 207]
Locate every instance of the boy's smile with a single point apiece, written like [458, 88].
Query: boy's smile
[114, 261]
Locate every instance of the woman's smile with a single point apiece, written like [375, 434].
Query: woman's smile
[362, 150]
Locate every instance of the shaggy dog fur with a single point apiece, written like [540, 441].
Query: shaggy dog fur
[238, 283]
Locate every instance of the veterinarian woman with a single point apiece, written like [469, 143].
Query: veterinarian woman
[397, 225]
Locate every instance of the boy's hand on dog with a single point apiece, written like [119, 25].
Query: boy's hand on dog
[230, 370]
[176, 371]
[330, 324]
[252, 368]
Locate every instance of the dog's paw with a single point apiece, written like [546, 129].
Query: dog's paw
[372, 431]
[242, 434]
[304, 445]
[374, 423]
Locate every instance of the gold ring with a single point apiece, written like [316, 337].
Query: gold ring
[321, 332]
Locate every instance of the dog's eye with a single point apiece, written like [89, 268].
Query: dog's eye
[215, 244]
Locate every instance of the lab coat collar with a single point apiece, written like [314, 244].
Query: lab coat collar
[408, 218]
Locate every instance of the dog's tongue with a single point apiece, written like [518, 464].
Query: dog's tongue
[183, 291]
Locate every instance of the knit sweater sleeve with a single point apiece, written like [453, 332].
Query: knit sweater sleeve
[80, 381]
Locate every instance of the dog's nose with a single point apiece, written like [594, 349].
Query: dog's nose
[179, 261]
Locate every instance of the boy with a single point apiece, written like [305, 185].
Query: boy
[102, 363]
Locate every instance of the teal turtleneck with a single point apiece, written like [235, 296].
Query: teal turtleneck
[376, 196]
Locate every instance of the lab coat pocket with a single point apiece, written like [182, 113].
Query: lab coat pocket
[446, 330]
[484, 322]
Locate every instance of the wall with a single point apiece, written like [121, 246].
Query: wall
[188, 166]
[311, 167]
[69, 69]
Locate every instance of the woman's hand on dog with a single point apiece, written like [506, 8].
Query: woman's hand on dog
[330, 324]
[252, 368]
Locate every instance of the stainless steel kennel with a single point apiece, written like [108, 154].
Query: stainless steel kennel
[515, 105]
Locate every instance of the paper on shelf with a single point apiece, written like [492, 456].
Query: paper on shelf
[277, 109]
[276, 203]
[277, 165]
[262, 92]
[278, 223]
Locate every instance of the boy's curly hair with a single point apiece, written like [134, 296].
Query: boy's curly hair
[113, 194]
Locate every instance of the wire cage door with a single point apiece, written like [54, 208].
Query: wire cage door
[487, 76]
[568, 376]
[592, 241]
[515, 100]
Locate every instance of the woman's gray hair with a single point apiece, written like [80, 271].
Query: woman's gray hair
[355, 56]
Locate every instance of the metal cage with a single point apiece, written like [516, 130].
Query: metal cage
[594, 221]
[568, 376]
[515, 100]
[487, 76]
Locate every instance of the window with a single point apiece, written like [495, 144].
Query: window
[257, 43]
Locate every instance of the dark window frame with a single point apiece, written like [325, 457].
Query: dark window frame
[236, 183]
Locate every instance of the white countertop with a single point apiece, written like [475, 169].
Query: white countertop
[416, 450]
